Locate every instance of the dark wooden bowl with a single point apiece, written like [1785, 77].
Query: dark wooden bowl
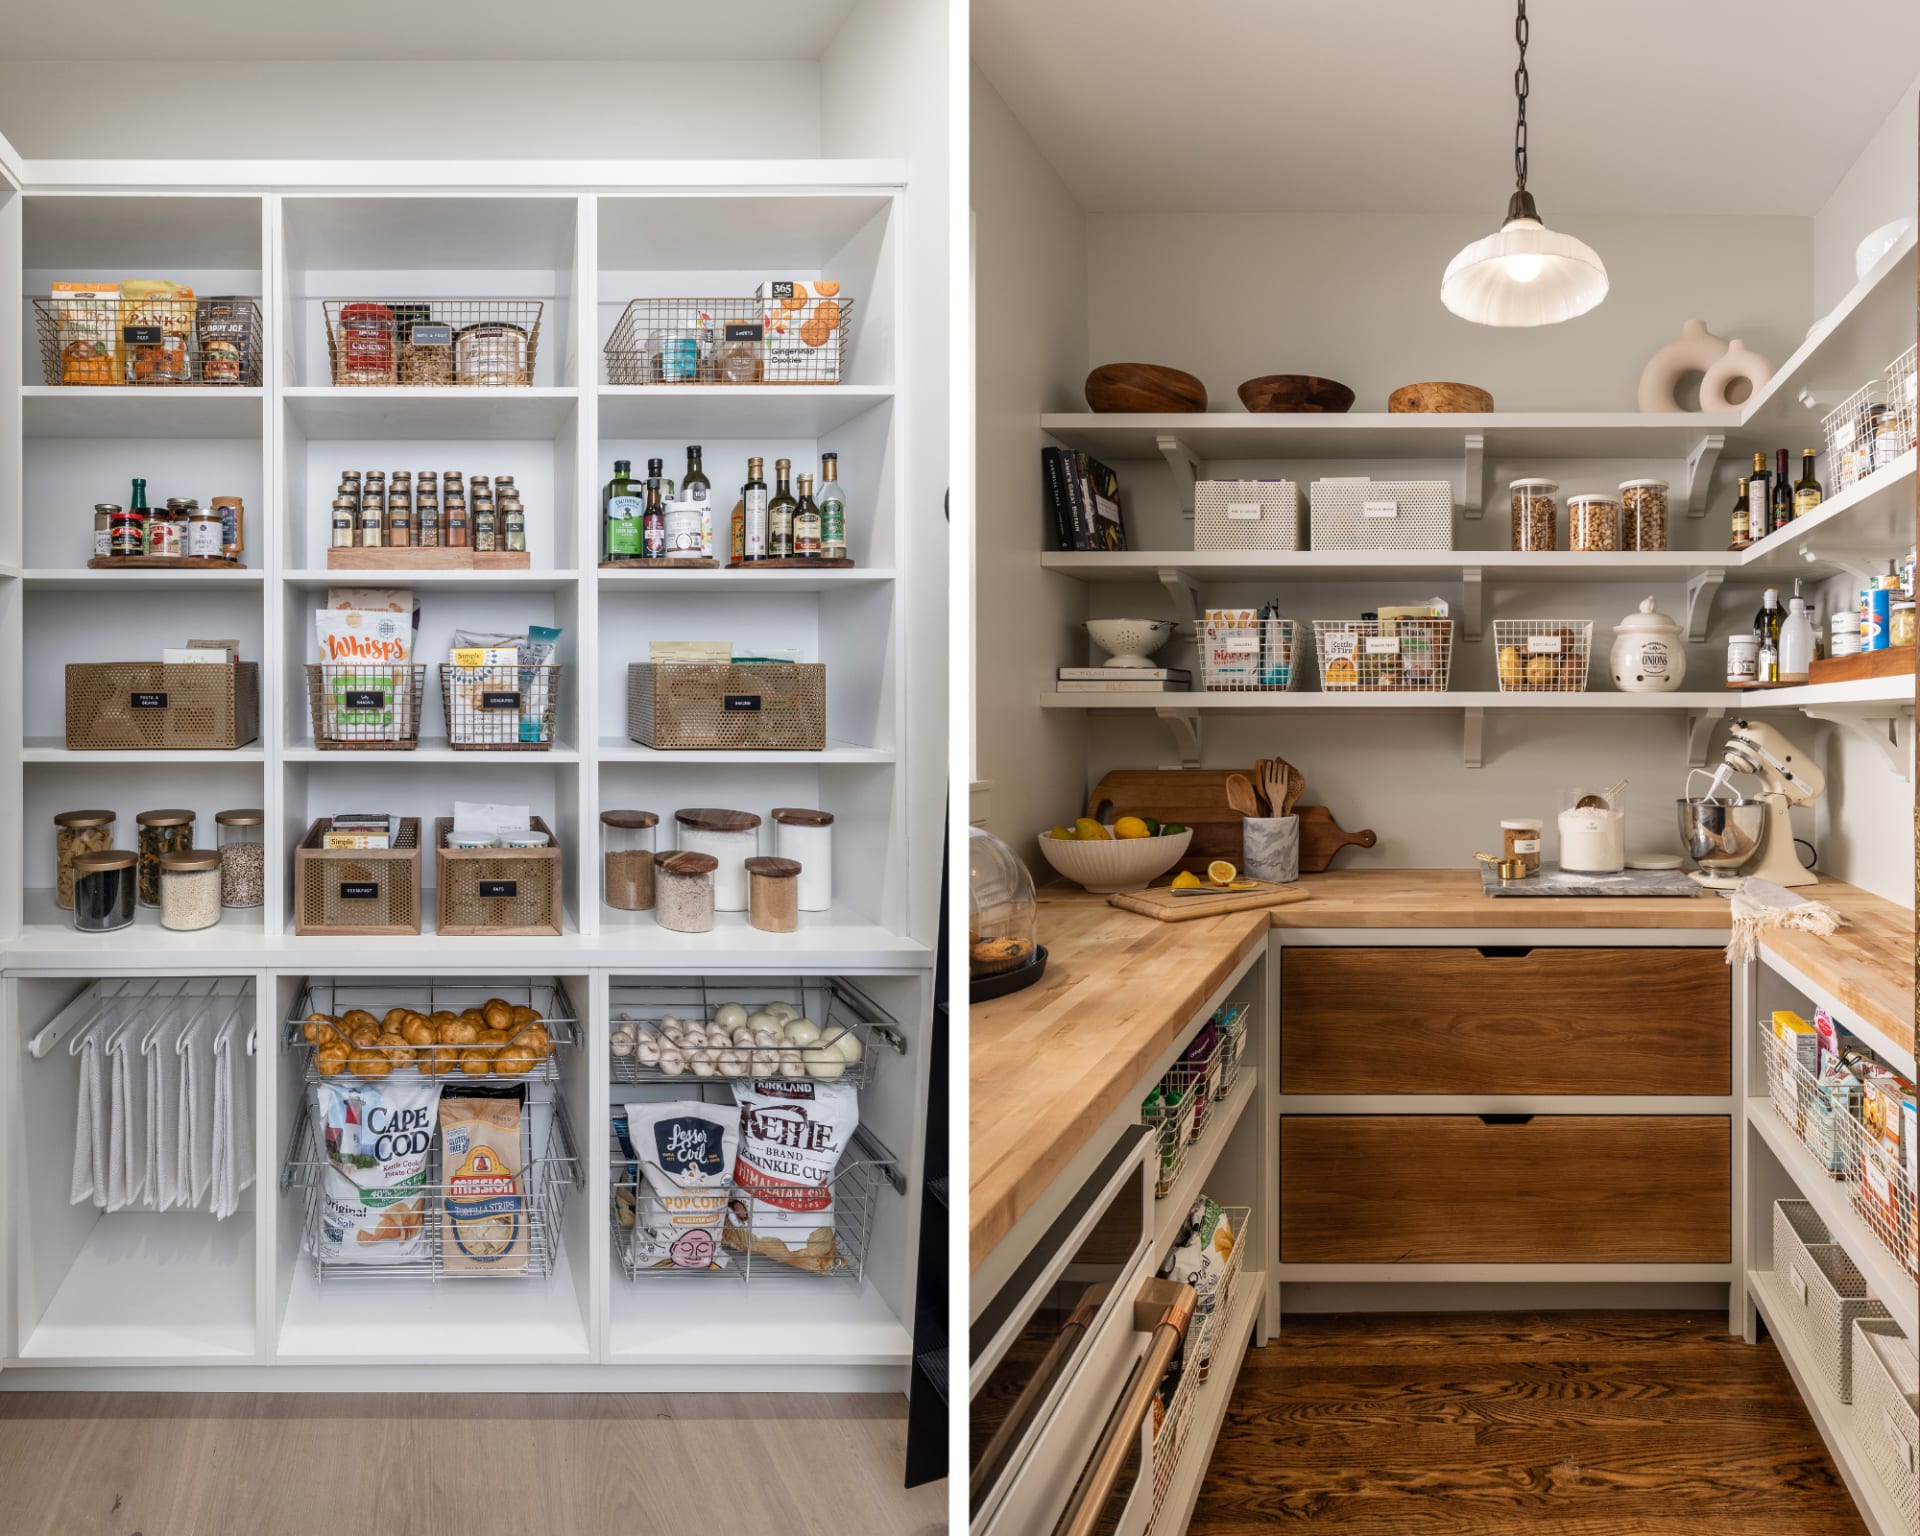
[1436, 398]
[1144, 387]
[1296, 392]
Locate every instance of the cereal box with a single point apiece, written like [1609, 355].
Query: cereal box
[803, 330]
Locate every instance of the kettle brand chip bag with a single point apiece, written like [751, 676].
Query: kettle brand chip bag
[792, 1136]
[482, 1126]
[685, 1151]
[377, 1136]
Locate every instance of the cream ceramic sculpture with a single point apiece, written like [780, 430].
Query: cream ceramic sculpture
[1738, 362]
[1694, 350]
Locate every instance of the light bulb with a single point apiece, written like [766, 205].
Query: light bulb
[1524, 268]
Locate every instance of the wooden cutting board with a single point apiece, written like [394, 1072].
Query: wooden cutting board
[1169, 907]
[1197, 798]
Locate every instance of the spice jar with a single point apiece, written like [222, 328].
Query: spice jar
[161, 832]
[732, 837]
[366, 345]
[484, 523]
[346, 514]
[103, 513]
[75, 833]
[807, 837]
[626, 855]
[683, 891]
[1520, 839]
[103, 890]
[773, 898]
[513, 524]
[190, 889]
[1643, 514]
[1593, 523]
[243, 858]
[1534, 513]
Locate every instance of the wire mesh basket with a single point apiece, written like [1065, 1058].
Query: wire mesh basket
[1903, 409]
[365, 708]
[756, 1244]
[1854, 431]
[1231, 1022]
[1824, 1296]
[1179, 1111]
[500, 708]
[173, 338]
[837, 1008]
[1542, 655]
[1396, 656]
[422, 343]
[1885, 1414]
[778, 340]
[1241, 652]
[318, 1025]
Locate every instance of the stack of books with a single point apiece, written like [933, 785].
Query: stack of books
[1125, 680]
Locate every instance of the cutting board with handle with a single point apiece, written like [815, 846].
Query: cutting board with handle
[1171, 907]
[1197, 798]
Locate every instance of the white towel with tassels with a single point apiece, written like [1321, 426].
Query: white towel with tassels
[195, 1138]
[127, 1128]
[165, 1189]
[90, 1124]
[232, 1158]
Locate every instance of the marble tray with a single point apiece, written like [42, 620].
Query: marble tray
[1552, 880]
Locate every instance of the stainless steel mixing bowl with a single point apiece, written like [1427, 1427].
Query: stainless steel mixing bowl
[1720, 836]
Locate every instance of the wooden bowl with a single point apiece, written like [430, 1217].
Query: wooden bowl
[1296, 392]
[1434, 398]
[1144, 387]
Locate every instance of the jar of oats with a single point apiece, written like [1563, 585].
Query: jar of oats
[1593, 523]
[1643, 514]
[1534, 513]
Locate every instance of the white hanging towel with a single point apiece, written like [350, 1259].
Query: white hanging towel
[127, 1108]
[165, 1189]
[90, 1123]
[232, 1116]
[196, 1110]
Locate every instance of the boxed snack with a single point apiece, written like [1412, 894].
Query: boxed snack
[1882, 1161]
[1231, 653]
[89, 332]
[684, 1152]
[483, 1162]
[1799, 1060]
[376, 1135]
[802, 320]
[156, 330]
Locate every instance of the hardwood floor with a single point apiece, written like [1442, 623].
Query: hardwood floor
[1578, 1423]
[283, 1464]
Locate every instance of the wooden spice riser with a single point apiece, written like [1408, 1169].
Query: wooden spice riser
[660, 565]
[1892, 661]
[415, 558]
[163, 563]
[790, 565]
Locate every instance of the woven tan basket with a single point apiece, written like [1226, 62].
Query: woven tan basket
[144, 706]
[498, 890]
[357, 890]
[751, 706]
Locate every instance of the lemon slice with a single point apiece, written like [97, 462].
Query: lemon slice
[1220, 872]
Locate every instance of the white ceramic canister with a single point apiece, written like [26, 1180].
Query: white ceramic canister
[732, 837]
[1649, 654]
[806, 837]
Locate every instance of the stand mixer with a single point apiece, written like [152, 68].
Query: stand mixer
[1737, 839]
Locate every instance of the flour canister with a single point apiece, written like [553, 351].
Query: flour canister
[806, 837]
[1649, 653]
[731, 837]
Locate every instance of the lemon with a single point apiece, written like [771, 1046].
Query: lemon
[1220, 872]
[1064, 834]
[1186, 880]
[1130, 827]
[1087, 830]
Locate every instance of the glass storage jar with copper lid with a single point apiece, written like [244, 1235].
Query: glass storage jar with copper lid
[626, 854]
[190, 889]
[75, 833]
[161, 832]
[243, 858]
[104, 886]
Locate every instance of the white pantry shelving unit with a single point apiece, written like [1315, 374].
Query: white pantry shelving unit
[144, 1300]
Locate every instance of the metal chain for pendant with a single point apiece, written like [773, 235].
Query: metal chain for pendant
[1520, 93]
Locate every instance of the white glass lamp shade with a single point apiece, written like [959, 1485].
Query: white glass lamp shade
[1526, 274]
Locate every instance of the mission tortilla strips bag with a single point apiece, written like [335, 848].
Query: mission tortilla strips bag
[792, 1137]
[685, 1151]
[483, 1168]
[377, 1137]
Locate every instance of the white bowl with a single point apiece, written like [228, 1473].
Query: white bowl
[1867, 254]
[1122, 864]
[1129, 642]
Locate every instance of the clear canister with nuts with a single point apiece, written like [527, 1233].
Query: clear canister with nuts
[1643, 514]
[1593, 523]
[1535, 513]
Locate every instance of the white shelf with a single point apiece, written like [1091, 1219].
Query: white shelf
[1900, 1058]
[785, 580]
[47, 937]
[733, 941]
[621, 750]
[1222, 1116]
[1833, 1200]
[53, 749]
[1834, 1419]
[421, 414]
[650, 412]
[1221, 566]
[499, 581]
[718, 1321]
[430, 750]
[137, 579]
[153, 411]
[1891, 691]
[1866, 522]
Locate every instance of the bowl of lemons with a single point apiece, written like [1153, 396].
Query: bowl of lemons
[1123, 856]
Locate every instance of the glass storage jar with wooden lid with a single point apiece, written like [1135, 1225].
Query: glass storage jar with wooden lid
[190, 889]
[243, 858]
[75, 833]
[683, 891]
[807, 836]
[773, 899]
[732, 837]
[161, 832]
[626, 854]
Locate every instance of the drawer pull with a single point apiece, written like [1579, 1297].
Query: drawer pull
[1506, 1119]
[1505, 951]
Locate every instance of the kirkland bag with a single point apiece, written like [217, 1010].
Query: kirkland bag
[792, 1136]
[377, 1137]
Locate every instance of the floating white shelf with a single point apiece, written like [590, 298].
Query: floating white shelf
[1226, 565]
[498, 581]
[53, 749]
[409, 414]
[431, 750]
[152, 411]
[654, 411]
[1402, 701]
[744, 581]
[138, 579]
[620, 750]
[1851, 531]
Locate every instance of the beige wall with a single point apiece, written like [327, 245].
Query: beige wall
[1879, 188]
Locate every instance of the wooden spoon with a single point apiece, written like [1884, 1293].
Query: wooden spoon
[1261, 765]
[1240, 796]
[1296, 787]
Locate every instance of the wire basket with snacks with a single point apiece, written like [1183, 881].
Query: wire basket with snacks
[1207, 1256]
[147, 331]
[1407, 650]
[421, 343]
[789, 331]
[1246, 650]
[1542, 655]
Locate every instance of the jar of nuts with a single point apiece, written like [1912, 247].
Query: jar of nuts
[1593, 523]
[1534, 513]
[1643, 514]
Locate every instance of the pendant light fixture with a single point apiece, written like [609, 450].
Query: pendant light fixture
[1526, 274]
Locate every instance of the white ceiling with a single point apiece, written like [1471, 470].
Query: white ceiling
[638, 30]
[1659, 106]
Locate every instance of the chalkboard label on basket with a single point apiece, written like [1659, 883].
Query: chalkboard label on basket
[359, 890]
[366, 698]
[742, 703]
[422, 334]
[142, 335]
[745, 330]
[149, 701]
[499, 701]
[499, 888]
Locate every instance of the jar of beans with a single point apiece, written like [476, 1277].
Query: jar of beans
[1534, 513]
[243, 858]
[75, 833]
[190, 889]
[161, 832]
[1643, 514]
[1593, 523]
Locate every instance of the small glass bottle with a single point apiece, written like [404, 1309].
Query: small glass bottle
[806, 523]
[513, 525]
[373, 511]
[626, 852]
[243, 858]
[426, 522]
[485, 523]
[103, 514]
[161, 832]
[400, 517]
[190, 889]
[346, 517]
[833, 509]
[653, 526]
[753, 526]
[780, 513]
[454, 516]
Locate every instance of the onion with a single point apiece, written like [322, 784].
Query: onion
[732, 1015]
[802, 1031]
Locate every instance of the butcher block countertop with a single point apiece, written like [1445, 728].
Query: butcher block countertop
[1051, 1064]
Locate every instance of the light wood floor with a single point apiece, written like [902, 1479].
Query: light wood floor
[277, 1464]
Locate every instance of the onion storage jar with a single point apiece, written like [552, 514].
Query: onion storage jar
[1643, 514]
[190, 889]
[1534, 513]
[160, 832]
[807, 838]
[243, 858]
[1649, 652]
[773, 897]
[626, 858]
[75, 833]
[731, 837]
[104, 886]
[1593, 523]
[683, 891]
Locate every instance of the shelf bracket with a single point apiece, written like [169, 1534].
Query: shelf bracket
[1701, 586]
[1700, 465]
[1473, 727]
[1882, 730]
[1185, 466]
[1473, 602]
[1185, 726]
[1184, 592]
[1473, 484]
[1700, 724]
[1856, 565]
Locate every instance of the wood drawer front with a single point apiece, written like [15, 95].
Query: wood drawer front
[1558, 1189]
[1590, 1021]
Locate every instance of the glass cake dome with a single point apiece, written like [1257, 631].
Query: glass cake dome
[1003, 950]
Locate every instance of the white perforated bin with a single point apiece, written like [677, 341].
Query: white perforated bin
[1886, 1414]
[1246, 514]
[1381, 514]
